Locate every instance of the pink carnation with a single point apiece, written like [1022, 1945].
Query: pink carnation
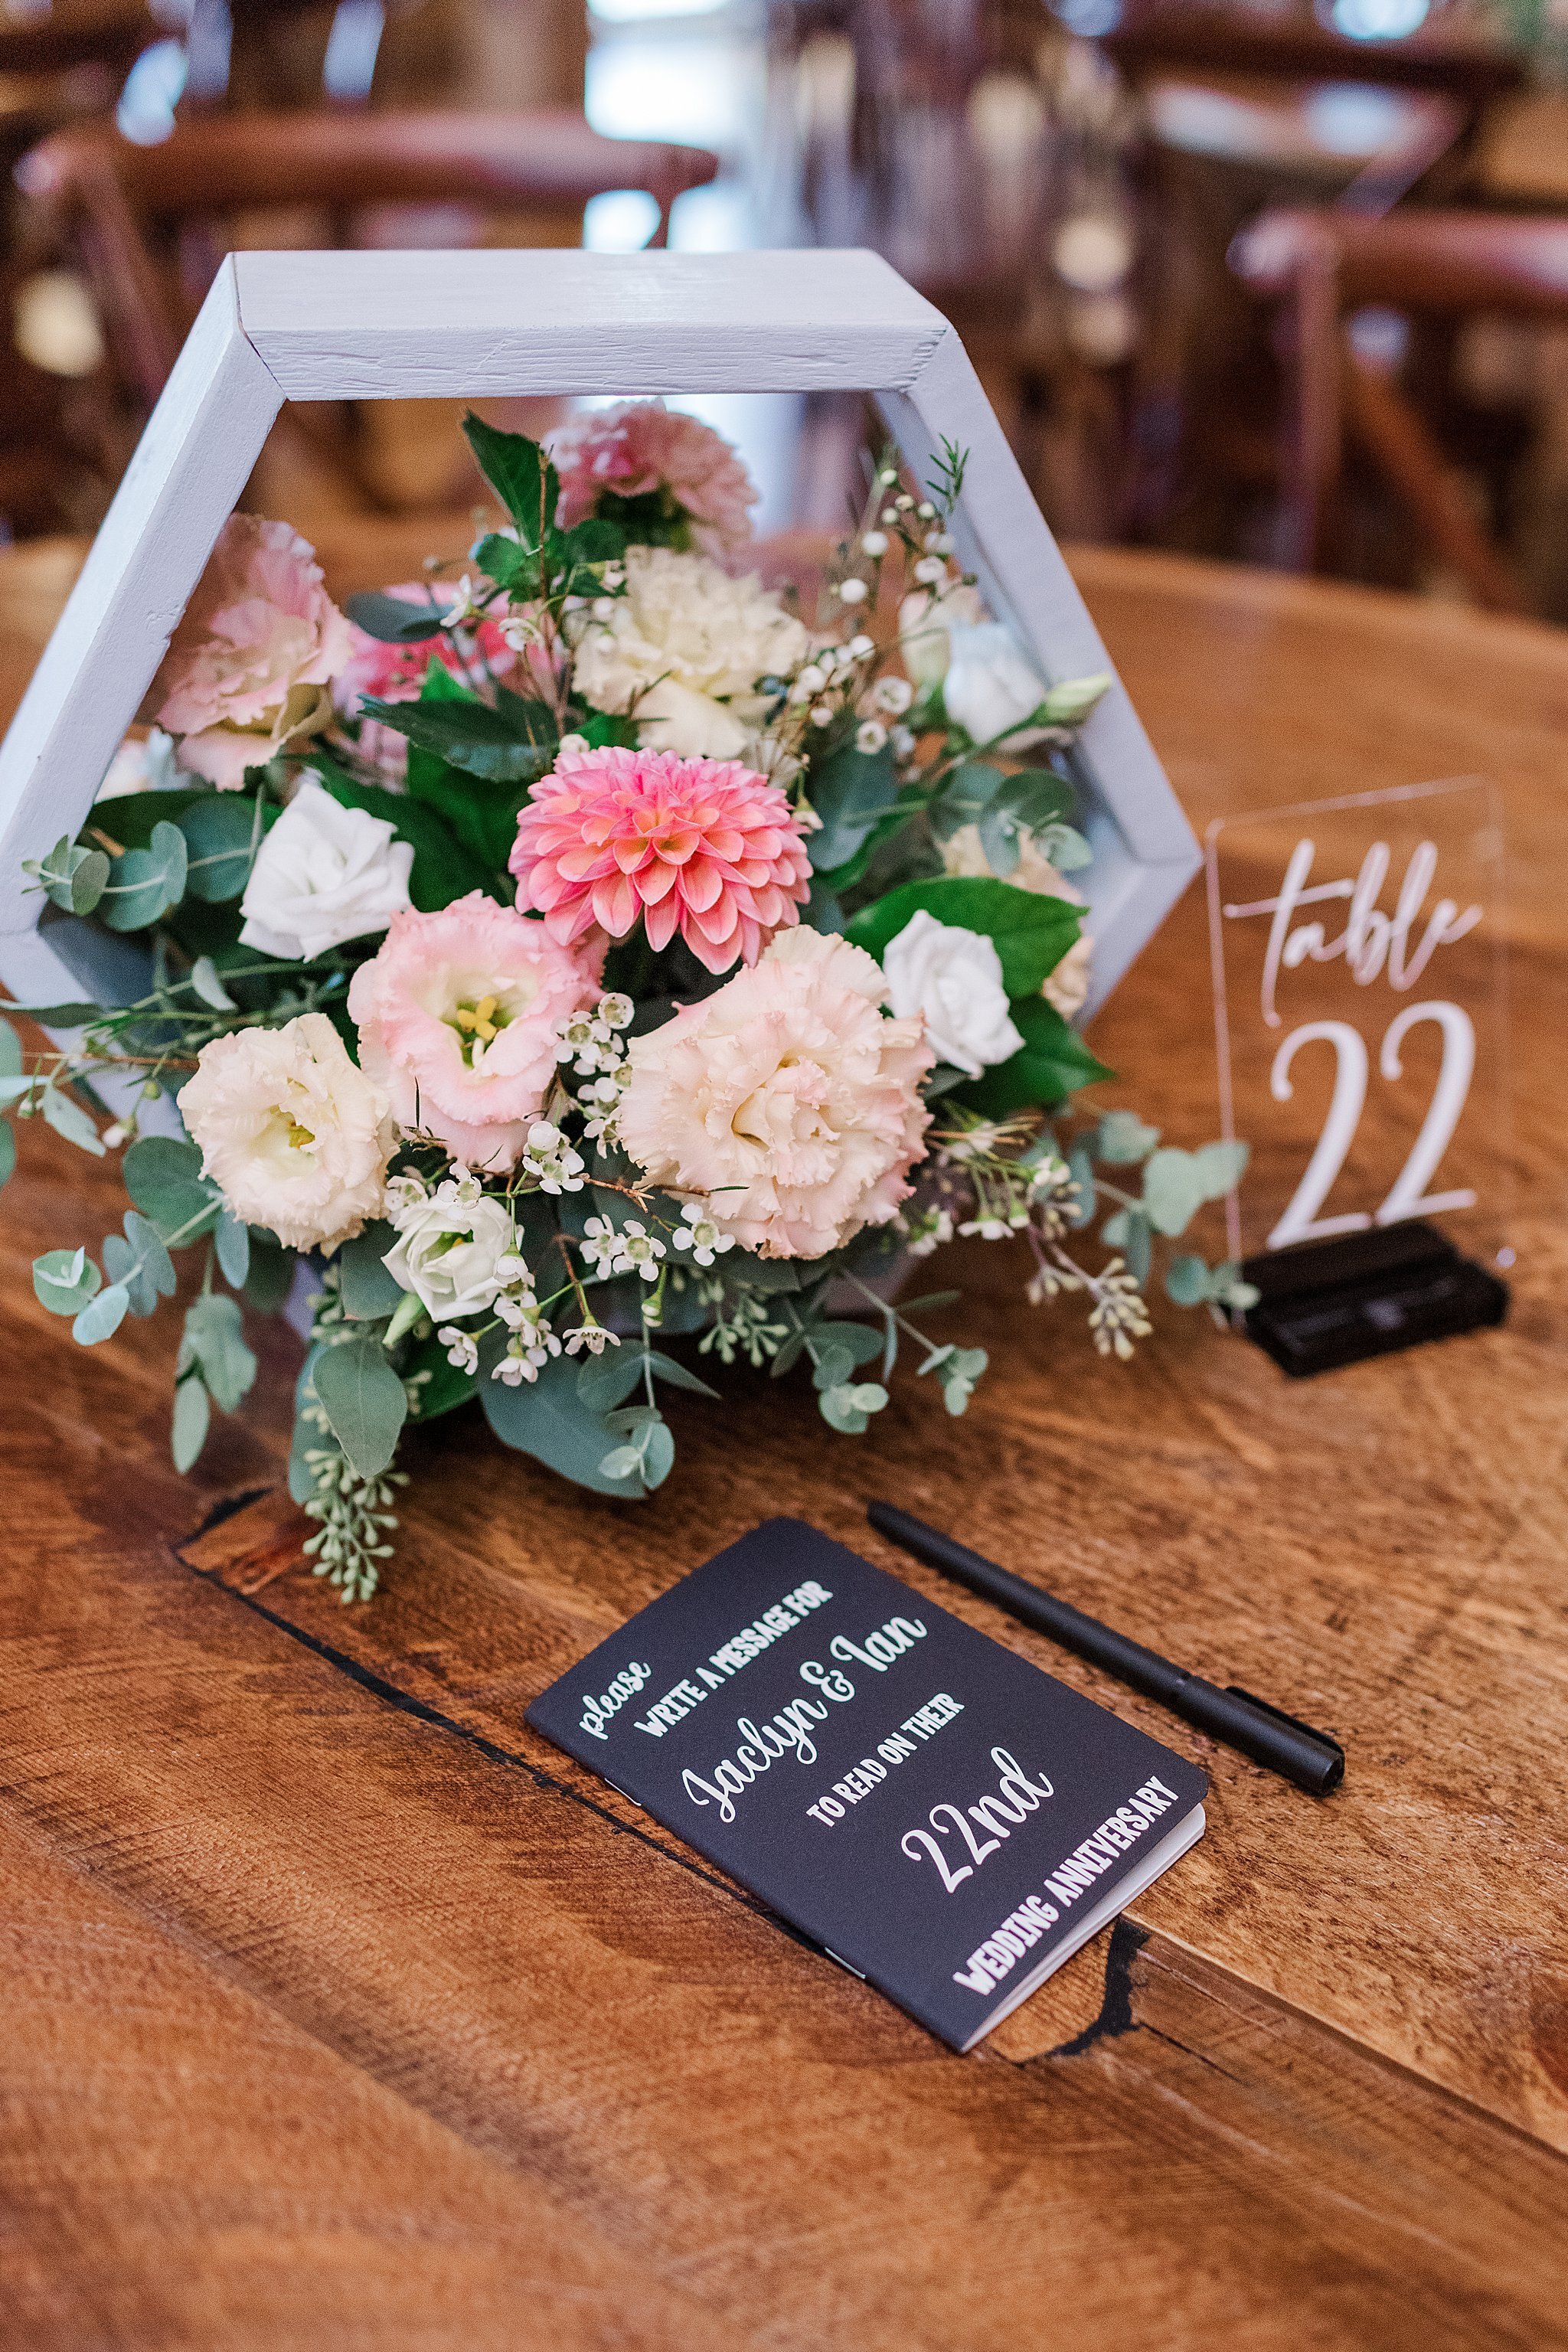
[457, 1018]
[249, 672]
[785, 1102]
[640, 445]
[396, 673]
[703, 846]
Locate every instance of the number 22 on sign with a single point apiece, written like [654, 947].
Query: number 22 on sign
[1297, 926]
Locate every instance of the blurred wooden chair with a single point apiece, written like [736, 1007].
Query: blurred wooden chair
[1320, 268]
[150, 224]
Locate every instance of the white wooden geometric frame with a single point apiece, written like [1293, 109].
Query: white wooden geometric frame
[375, 325]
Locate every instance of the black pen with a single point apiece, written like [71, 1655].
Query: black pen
[1270, 1738]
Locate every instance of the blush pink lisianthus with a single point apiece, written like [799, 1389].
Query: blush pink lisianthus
[457, 1018]
[706, 847]
[786, 1103]
[249, 674]
[640, 445]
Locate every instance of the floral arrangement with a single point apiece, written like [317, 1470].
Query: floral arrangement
[589, 969]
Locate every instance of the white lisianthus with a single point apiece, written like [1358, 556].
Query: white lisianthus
[452, 1248]
[684, 647]
[991, 689]
[296, 1136]
[1065, 989]
[324, 874]
[953, 977]
[925, 623]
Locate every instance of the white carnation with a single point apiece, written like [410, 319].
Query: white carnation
[452, 1248]
[953, 977]
[686, 644]
[296, 1136]
[324, 874]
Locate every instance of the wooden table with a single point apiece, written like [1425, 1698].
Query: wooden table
[340, 2011]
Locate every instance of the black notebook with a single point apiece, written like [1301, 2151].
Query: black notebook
[940, 1817]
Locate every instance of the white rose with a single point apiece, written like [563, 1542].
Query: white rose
[990, 689]
[686, 646]
[954, 978]
[324, 874]
[450, 1248]
[1065, 989]
[924, 621]
[295, 1135]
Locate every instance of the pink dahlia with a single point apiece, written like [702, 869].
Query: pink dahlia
[247, 674]
[640, 445]
[457, 1016]
[706, 848]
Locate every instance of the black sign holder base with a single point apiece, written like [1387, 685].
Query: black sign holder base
[1330, 1303]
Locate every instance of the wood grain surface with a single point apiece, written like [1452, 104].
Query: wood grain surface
[341, 2009]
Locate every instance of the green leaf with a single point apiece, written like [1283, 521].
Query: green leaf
[1221, 1166]
[164, 1177]
[214, 1344]
[102, 1316]
[447, 1386]
[1031, 933]
[64, 1280]
[444, 868]
[1121, 1140]
[233, 1242]
[1052, 1063]
[271, 1275]
[964, 797]
[73, 878]
[393, 620]
[67, 1118]
[1188, 1281]
[621, 1462]
[658, 1454]
[519, 474]
[490, 744]
[363, 1400]
[1130, 1231]
[677, 1375]
[8, 1151]
[548, 1419]
[138, 1260]
[369, 1291]
[73, 1015]
[850, 791]
[512, 567]
[147, 882]
[848, 1408]
[192, 1415]
[218, 830]
[10, 1052]
[603, 1382]
[148, 1243]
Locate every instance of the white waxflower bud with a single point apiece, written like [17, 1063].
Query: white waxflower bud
[874, 542]
[870, 735]
[852, 591]
[926, 511]
[929, 570]
[858, 647]
[822, 715]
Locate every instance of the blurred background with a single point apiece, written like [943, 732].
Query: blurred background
[1282, 282]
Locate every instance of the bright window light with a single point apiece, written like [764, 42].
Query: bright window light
[621, 220]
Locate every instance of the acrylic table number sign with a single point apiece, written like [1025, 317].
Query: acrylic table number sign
[1360, 1025]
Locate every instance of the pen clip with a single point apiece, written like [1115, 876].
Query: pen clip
[1310, 1730]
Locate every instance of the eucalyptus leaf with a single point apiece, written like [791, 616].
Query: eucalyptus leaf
[1080, 1168]
[67, 1117]
[73, 877]
[679, 1375]
[7, 1151]
[164, 1177]
[147, 882]
[363, 1400]
[368, 1290]
[102, 1316]
[214, 1343]
[603, 1382]
[1121, 1140]
[10, 1051]
[658, 1454]
[850, 791]
[1188, 1281]
[548, 1419]
[64, 1280]
[232, 1244]
[219, 830]
[193, 1416]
